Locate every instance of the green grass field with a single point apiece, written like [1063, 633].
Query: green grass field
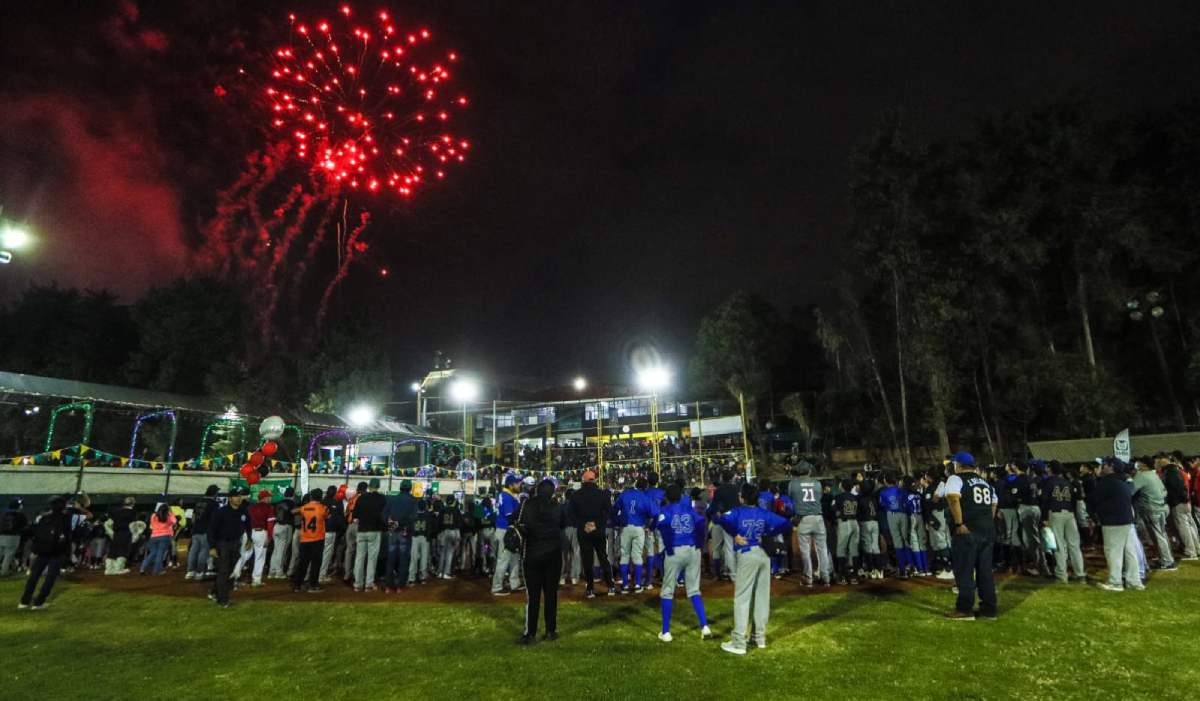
[1051, 641]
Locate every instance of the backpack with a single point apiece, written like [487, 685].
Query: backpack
[513, 540]
[51, 536]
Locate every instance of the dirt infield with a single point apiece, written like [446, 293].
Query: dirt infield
[460, 590]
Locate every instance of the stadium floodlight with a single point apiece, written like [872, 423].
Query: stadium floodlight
[463, 390]
[580, 384]
[360, 416]
[416, 386]
[13, 236]
[654, 379]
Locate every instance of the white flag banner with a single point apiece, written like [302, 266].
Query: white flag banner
[303, 477]
[1121, 447]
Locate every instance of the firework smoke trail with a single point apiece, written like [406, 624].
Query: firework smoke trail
[280, 255]
[219, 232]
[271, 226]
[351, 245]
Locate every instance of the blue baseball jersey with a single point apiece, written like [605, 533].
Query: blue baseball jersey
[766, 500]
[913, 504]
[753, 524]
[507, 506]
[635, 508]
[656, 497]
[680, 525]
[892, 499]
[789, 506]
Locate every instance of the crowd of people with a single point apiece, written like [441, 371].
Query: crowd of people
[631, 532]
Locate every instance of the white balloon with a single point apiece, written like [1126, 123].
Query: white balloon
[271, 429]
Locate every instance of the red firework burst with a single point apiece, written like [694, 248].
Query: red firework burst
[366, 103]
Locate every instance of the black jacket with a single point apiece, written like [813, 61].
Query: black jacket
[542, 522]
[1176, 485]
[592, 504]
[1112, 500]
[368, 509]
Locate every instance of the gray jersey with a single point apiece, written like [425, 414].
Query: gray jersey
[806, 493]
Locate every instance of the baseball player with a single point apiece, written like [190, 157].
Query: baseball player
[747, 525]
[868, 529]
[918, 541]
[894, 500]
[810, 525]
[635, 513]
[1010, 537]
[1057, 497]
[449, 536]
[682, 530]
[654, 544]
[845, 508]
[507, 563]
[1029, 513]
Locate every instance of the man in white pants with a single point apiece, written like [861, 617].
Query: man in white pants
[262, 514]
[368, 522]
[508, 564]
[282, 535]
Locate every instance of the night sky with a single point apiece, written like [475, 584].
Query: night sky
[633, 162]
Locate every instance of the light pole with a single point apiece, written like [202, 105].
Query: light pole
[464, 391]
[654, 379]
[419, 390]
[1156, 300]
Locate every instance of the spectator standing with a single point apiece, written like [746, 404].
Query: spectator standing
[51, 547]
[312, 543]
[282, 536]
[13, 523]
[399, 514]
[262, 513]
[198, 548]
[1179, 503]
[228, 529]
[591, 508]
[1150, 504]
[1112, 505]
[541, 524]
[122, 538]
[368, 520]
[973, 504]
[351, 547]
[162, 529]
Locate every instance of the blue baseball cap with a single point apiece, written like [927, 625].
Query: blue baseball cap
[964, 459]
[512, 478]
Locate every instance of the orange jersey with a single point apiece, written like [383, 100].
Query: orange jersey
[313, 526]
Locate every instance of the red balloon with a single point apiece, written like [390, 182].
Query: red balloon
[341, 493]
[269, 448]
[252, 478]
[247, 469]
[256, 459]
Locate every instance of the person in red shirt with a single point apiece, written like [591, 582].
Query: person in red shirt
[262, 514]
[312, 542]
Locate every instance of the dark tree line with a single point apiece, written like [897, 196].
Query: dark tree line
[991, 296]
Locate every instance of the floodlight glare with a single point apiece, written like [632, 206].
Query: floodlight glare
[361, 416]
[580, 384]
[654, 379]
[463, 390]
[13, 237]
